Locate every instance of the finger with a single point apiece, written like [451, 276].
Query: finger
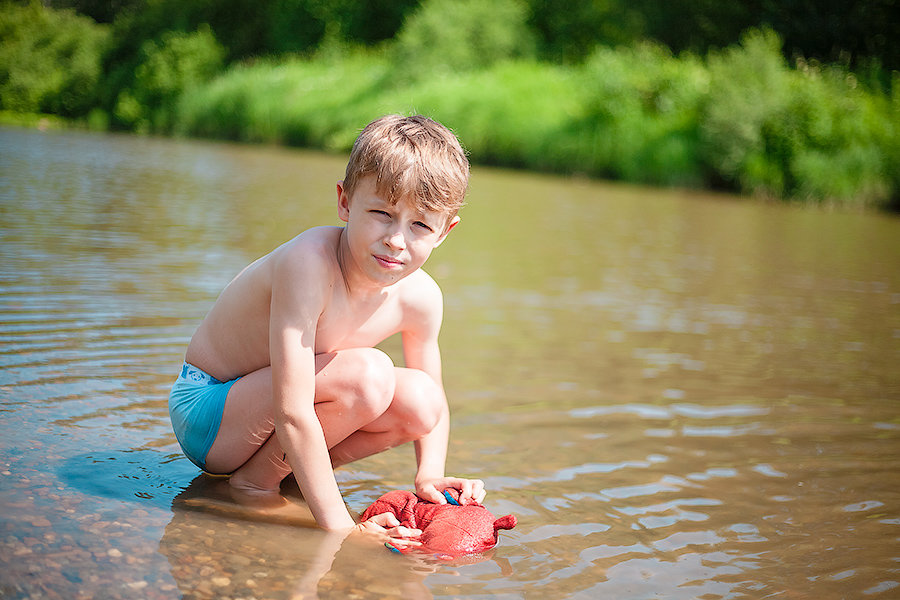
[465, 492]
[404, 532]
[478, 492]
[385, 520]
[404, 543]
[431, 494]
[474, 491]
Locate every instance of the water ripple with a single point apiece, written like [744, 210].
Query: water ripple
[556, 531]
[651, 411]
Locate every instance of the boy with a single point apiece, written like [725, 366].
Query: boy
[282, 375]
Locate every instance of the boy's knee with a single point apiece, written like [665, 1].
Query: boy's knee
[422, 401]
[374, 380]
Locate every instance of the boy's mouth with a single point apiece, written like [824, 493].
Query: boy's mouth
[387, 261]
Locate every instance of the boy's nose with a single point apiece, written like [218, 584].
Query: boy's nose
[395, 239]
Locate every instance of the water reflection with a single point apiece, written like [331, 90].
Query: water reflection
[223, 545]
[218, 546]
[678, 396]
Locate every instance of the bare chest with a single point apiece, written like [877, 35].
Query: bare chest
[347, 324]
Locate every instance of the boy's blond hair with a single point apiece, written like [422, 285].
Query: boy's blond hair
[414, 158]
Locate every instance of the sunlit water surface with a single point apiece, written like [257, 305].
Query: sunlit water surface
[678, 396]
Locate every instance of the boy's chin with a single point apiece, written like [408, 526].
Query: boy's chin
[385, 277]
[392, 274]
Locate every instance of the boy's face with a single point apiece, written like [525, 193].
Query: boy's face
[388, 242]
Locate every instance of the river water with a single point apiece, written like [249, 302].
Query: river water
[679, 395]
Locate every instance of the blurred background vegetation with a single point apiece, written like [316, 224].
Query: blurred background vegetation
[793, 99]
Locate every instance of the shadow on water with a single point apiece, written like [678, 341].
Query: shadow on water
[147, 478]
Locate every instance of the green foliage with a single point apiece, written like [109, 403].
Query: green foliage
[749, 85]
[892, 139]
[840, 140]
[741, 118]
[254, 28]
[568, 32]
[309, 103]
[807, 133]
[250, 29]
[855, 32]
[461, 35]
[511, 114]
[177, 62]
[641, 114]
[50, 61]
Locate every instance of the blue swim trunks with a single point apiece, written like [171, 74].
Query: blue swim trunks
[195, 408]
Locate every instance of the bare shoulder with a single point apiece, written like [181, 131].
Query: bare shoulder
[303, 274]
[421, 292]
[317, 242]
[422, 302]
[313, 250]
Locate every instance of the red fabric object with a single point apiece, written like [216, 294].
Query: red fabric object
[448, 530]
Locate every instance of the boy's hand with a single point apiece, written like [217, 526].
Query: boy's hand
[388, 528]
[471, 491]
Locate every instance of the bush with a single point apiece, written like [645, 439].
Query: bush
[743, 118]
[640, 116]
[811, 133]
[569, 33]
[168, 67]
[449, 36]
[748, 87]
[840, 155]
[306, 103]
[512, 114]
[50, 61]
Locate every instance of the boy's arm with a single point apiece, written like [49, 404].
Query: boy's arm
[421, 351]
[295, 308]
[431, 449]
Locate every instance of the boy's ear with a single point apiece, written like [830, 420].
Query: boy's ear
[343, 202]
[453, 223]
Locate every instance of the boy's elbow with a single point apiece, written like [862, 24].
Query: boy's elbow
[299, 419]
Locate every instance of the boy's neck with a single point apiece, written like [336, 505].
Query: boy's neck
[357, 287]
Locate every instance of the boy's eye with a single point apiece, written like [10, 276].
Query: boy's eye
[381, 213]
[423, 225]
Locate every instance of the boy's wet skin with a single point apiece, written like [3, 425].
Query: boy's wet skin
[291, 338]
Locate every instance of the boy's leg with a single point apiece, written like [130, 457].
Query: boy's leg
[414, 411]
[356, 385]
[364, 403]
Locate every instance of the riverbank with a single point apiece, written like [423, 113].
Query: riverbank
[740, 119]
